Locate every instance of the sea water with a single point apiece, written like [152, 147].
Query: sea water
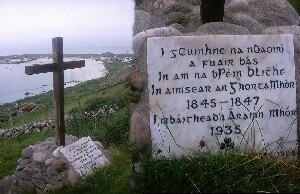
[15, 84]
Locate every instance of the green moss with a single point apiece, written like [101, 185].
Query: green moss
[295, 4]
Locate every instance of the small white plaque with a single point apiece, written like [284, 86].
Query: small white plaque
[84, 156]
[214, 92]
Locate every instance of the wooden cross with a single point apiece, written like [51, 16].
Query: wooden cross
[212, 11]
[57, 67]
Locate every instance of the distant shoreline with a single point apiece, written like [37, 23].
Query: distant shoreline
[20, 86]
[15, 84]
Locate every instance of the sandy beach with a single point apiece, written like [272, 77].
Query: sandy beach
[93, 69]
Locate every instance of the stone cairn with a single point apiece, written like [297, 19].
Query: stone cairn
[42, 166]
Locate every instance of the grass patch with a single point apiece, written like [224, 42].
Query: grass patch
[114, 178]
[115, 68]
[110, 129]
[83, 91]
[225, 173]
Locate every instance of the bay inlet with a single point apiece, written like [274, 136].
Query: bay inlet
[15, 84]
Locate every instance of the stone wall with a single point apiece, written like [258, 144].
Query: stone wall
[48, 125]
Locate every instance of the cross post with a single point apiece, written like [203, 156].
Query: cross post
[57, 67]
[212, 11]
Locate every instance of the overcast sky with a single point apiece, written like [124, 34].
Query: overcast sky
[87, 26]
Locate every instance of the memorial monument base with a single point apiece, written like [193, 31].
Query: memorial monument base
[43, 167]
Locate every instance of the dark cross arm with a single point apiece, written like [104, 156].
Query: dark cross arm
[45, 68]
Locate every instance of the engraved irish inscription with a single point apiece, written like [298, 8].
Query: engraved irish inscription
[84, 156]
[210, 93]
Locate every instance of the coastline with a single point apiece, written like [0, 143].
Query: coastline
[15, 85]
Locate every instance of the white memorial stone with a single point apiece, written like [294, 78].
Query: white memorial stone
[208, 93]
[84, 156]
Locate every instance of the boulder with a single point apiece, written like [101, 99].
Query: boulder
[57, 153]
[99, 145]
[178, 27]
[140, 131]
[49, 162]
[295, 30]
[140, 135]
[176, 17]
[60, 165]
[161, 4]
[27, 152]
[39, 157]
[142, 21]
[73, 175]
[248, 22]
[141, 37]
[221, 28]
[236, 6]
[177, 7]
[273, 13]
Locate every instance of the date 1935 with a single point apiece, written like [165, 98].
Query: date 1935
[227, 130]
[284, 153]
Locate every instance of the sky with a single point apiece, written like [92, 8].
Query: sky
[87, 26]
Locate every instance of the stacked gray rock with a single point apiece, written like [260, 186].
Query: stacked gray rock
[182, 15]
[256, 15]
[48, 125]
[6, 184]
[43, 167]
[44, 126]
